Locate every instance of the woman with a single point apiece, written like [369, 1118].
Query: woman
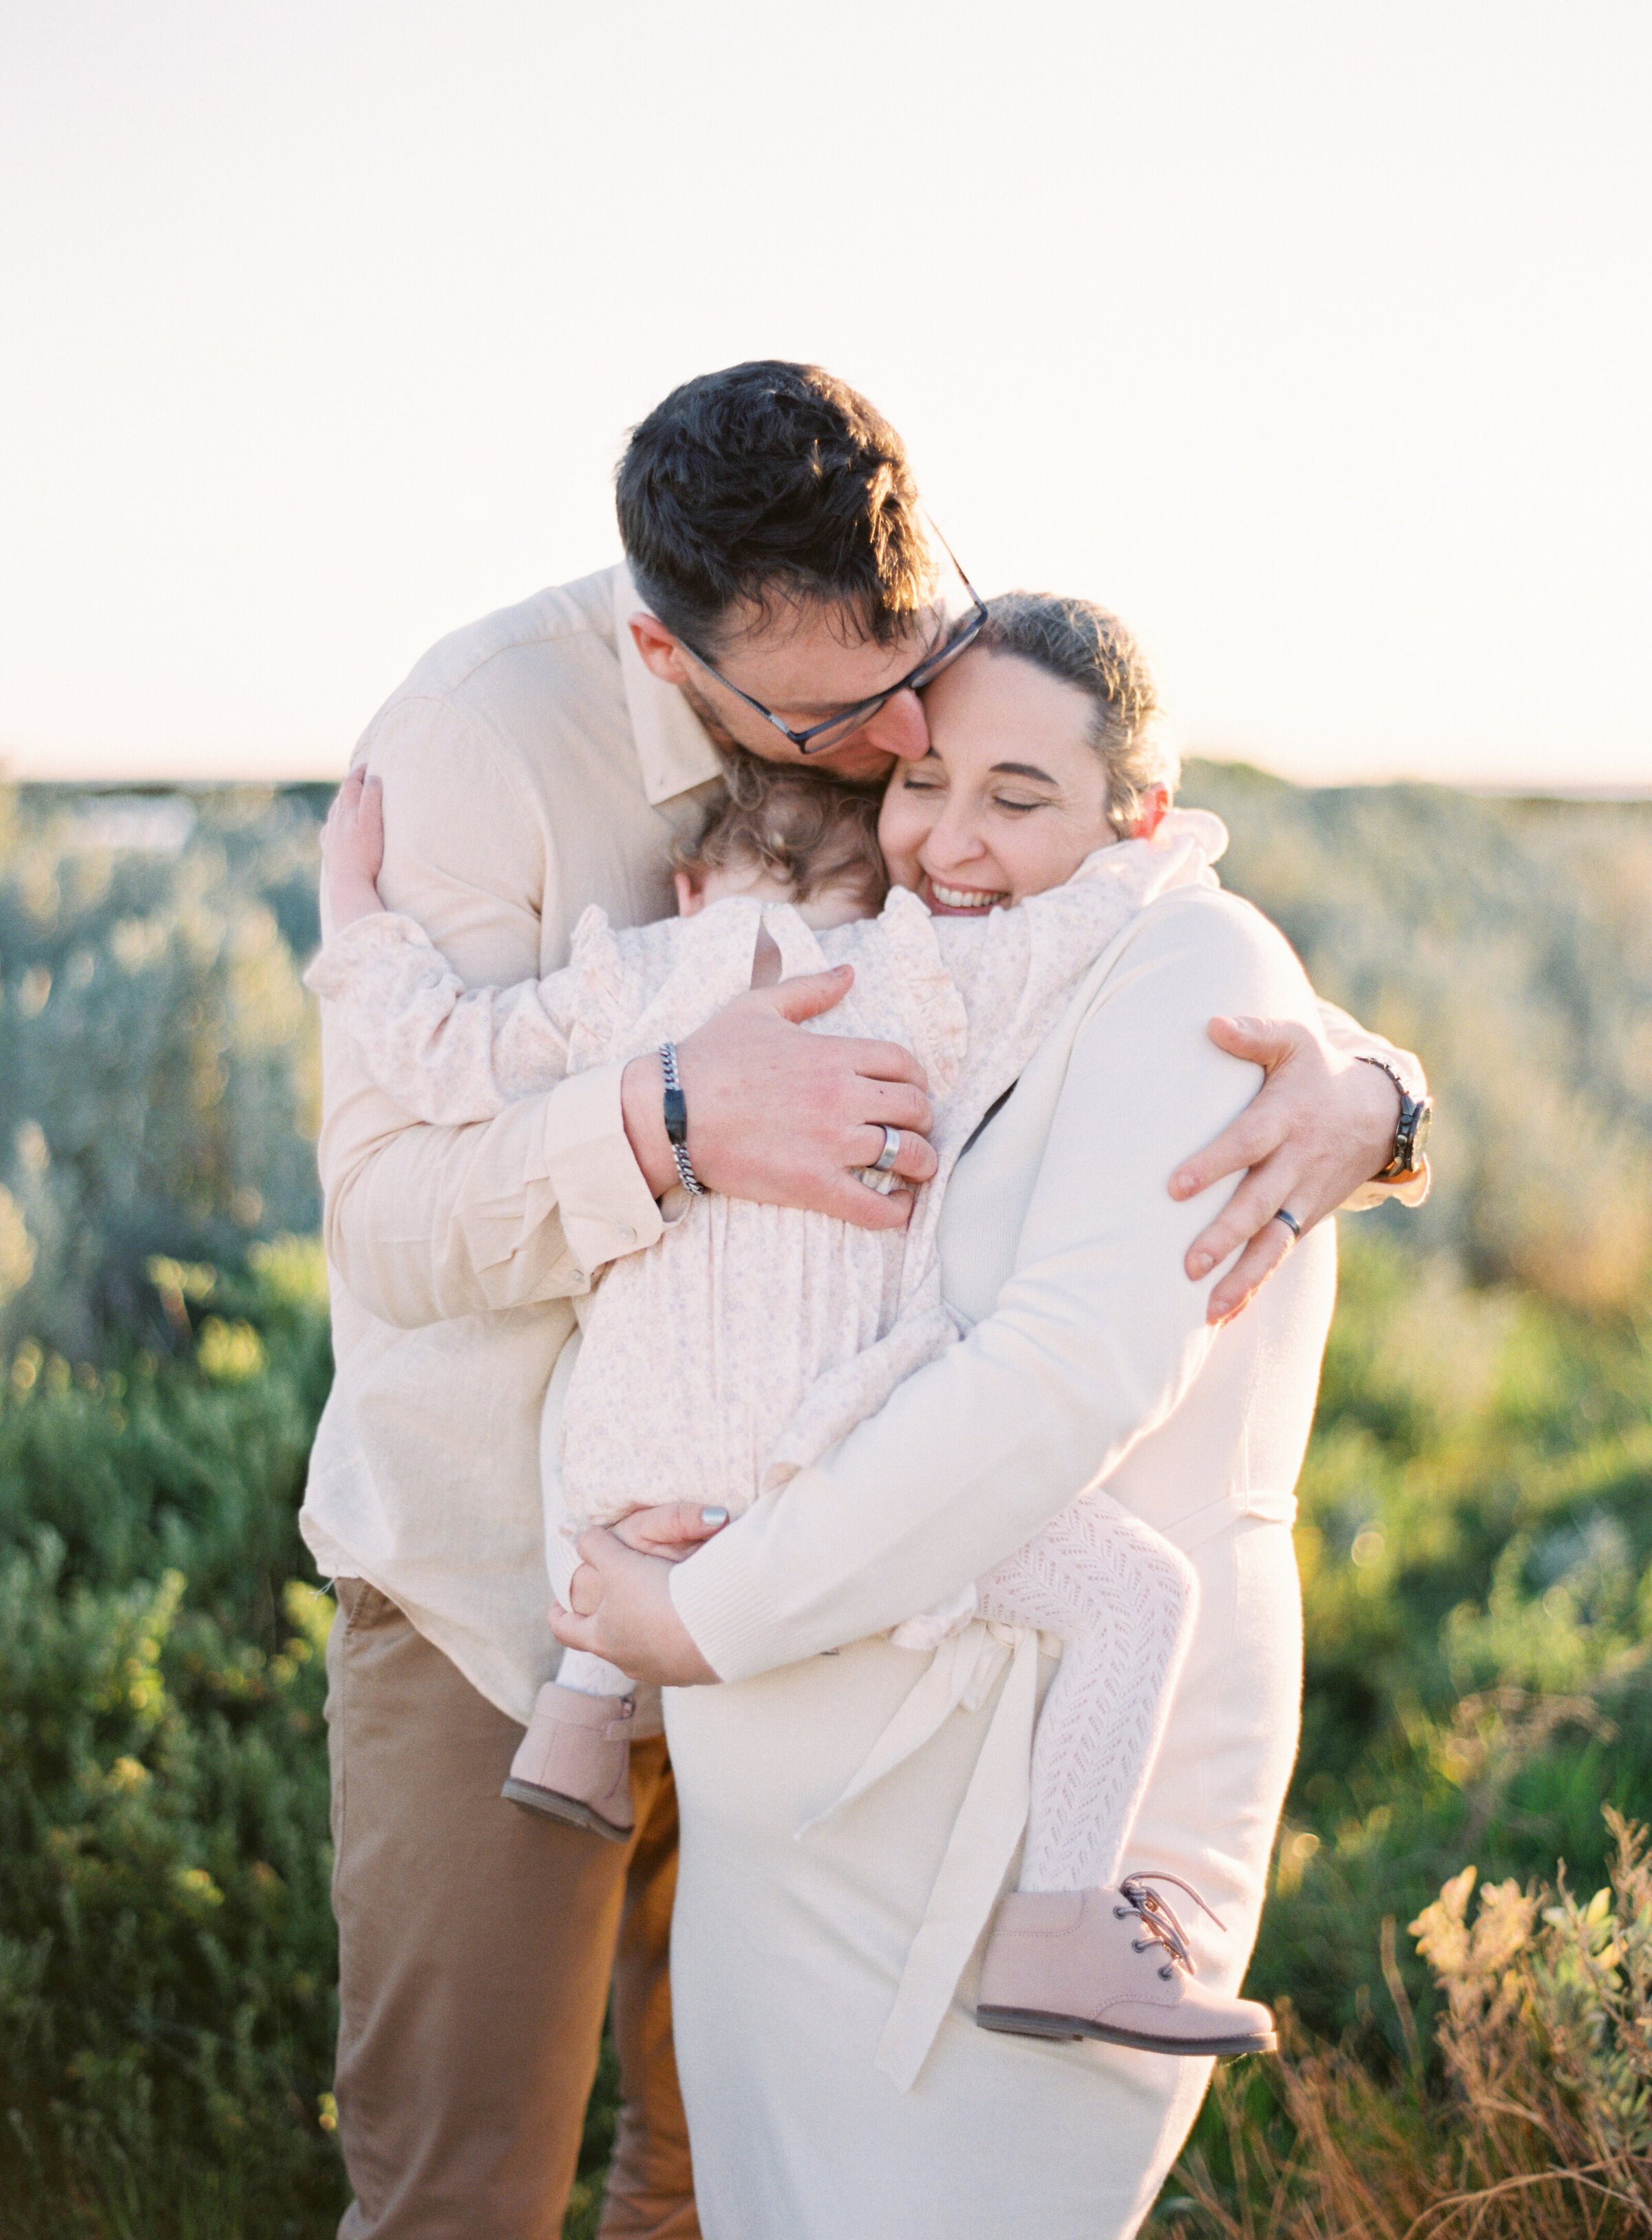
[850, 1818]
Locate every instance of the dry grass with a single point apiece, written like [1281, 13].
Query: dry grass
[1538, 2124]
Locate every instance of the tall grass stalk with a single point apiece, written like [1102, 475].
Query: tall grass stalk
[1538, 2124]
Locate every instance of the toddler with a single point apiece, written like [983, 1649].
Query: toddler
[751, 1338]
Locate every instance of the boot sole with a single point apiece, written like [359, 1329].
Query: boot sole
[1023, 2021]
[551, 1804]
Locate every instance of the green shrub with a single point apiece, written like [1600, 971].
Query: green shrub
[166, 1949]
[1476, 1550]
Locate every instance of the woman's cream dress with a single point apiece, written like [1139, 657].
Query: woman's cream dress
[825, 1946]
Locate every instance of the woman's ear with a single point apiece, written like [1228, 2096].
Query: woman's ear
[1150, 812]
[690, 896]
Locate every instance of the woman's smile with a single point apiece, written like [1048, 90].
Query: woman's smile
[949, 901]
[1011, 797]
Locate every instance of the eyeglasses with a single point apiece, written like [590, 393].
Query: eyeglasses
[835, 729]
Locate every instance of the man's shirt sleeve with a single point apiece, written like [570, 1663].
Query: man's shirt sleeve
[425, 1223]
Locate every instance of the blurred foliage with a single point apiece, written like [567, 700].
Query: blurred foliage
[1476, 1534]
[1510, 942]
[158, 1072]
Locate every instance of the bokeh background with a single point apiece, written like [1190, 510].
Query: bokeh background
[1314, 343]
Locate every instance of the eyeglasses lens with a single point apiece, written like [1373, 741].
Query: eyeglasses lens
[949, 653]
[843, 727]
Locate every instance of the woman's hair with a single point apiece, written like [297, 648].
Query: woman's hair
[808, 830]
[1084, 644]
[771, 482]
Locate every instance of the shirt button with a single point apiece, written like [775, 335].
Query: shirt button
[627, 1236]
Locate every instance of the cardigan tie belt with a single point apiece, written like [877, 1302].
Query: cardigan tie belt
[961, 1676]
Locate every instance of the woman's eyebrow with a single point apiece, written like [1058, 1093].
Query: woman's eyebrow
[1023, 770]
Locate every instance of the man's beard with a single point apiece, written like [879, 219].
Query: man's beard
[718, 732]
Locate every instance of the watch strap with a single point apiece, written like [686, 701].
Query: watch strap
[1403, 1162]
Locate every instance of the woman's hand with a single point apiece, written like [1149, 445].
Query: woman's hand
[1321, 1125]
[622, 1611]
[352, 850]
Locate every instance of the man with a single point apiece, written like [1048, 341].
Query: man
[783, 593]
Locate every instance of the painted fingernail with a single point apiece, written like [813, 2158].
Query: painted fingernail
[713, 1517]
[1201, 1264]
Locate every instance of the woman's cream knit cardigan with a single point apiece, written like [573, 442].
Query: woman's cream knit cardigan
[836, 2087]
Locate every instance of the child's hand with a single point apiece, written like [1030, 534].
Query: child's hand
[352, 850]
[673, 1529]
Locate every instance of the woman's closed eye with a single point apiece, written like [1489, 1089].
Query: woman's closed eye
[915, 781]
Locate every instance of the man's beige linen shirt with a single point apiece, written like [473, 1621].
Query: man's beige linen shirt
[531, 766]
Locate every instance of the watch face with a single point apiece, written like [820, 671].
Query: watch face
[1420, 1127]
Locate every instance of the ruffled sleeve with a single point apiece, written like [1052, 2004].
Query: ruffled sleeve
[399, 1002]
[937, 1022]
[450, 1055]
[602, 989]
[698, 964]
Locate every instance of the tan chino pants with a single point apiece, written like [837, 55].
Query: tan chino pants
[477, 1944]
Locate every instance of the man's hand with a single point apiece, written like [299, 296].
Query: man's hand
[784, 1117]
[622, 1611]
[1320, 1125]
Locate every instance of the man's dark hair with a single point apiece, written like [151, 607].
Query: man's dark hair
[771, 483]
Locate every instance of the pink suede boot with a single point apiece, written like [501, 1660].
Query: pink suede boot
[1109, 1963]
[575, 1761]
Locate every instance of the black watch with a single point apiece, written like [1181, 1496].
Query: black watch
[1411, 1137]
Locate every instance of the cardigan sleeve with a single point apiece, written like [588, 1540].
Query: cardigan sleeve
[425, 1223]
[1093, 1339]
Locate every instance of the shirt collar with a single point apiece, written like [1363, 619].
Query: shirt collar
[672, 745]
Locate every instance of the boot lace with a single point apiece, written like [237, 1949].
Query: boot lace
[1158, 1920]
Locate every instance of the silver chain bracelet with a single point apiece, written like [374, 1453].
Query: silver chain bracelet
[677, 1122]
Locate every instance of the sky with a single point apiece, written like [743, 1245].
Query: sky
[1313, 340]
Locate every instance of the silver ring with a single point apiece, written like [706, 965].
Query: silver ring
[1291, 1222]
[890, 1152]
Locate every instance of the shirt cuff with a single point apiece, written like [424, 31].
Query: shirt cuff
[591, 1173]
[1409, 1190]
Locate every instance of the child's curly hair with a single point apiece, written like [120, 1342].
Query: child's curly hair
[802, 826]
